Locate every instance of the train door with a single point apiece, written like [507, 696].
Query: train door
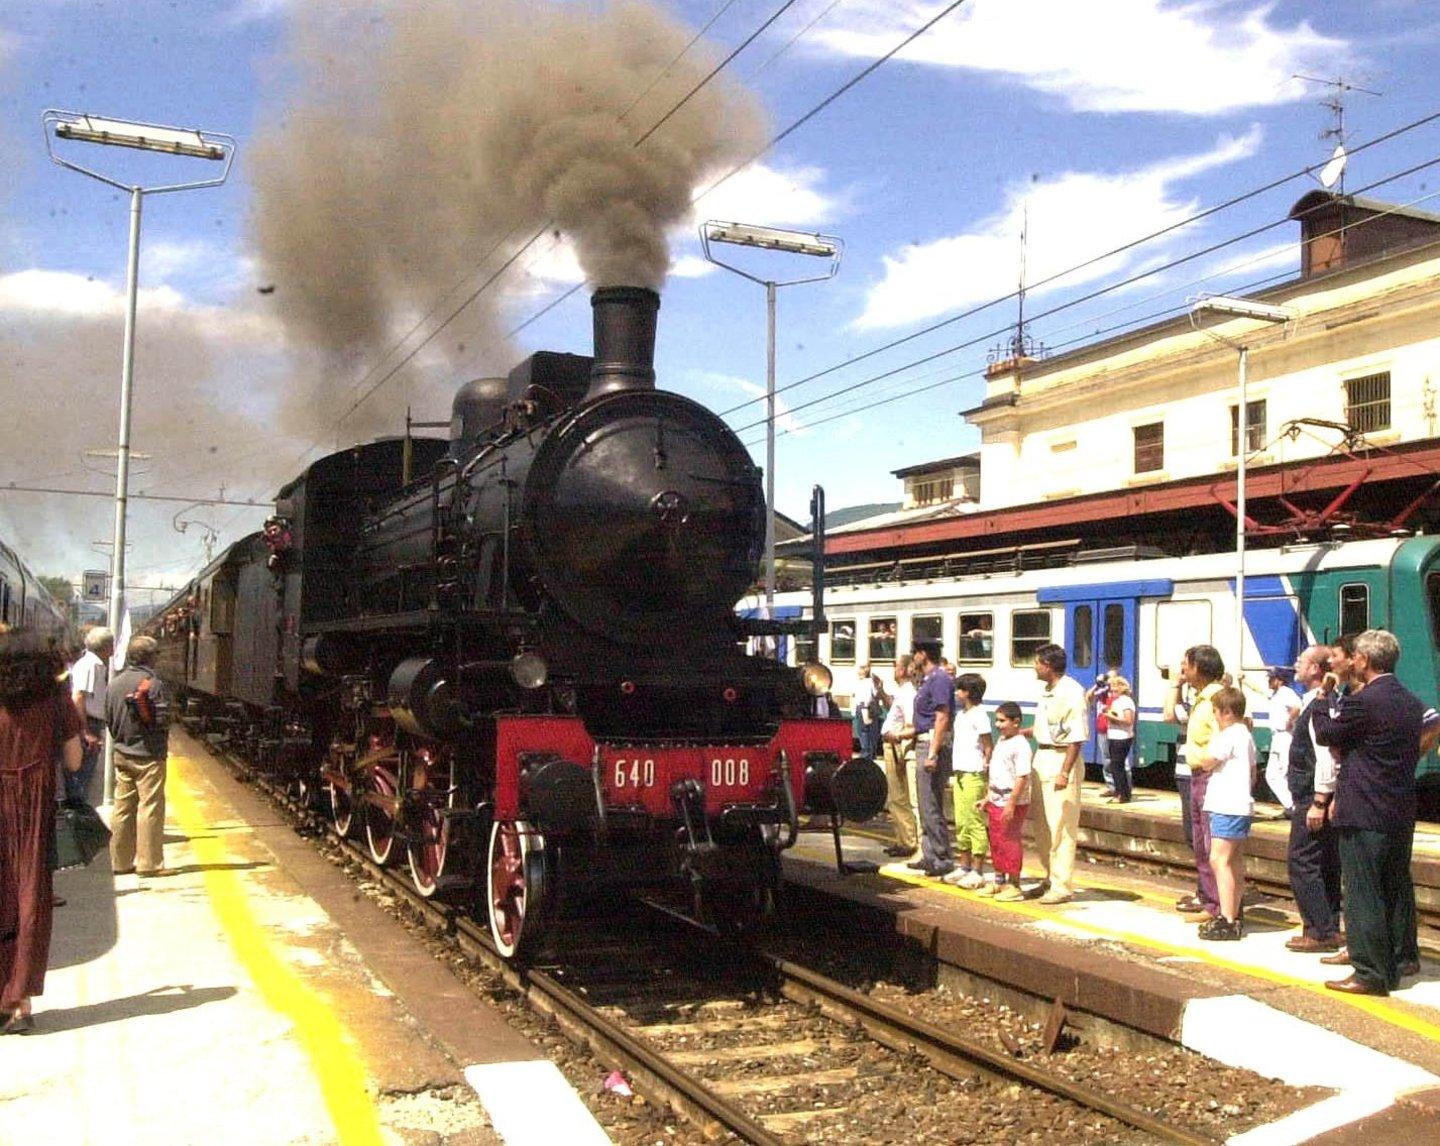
[1101, 636]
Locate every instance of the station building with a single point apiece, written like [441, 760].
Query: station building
[1129, 445]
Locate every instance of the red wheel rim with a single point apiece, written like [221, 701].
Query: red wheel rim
[507, 884]
[380, 824]
[427, 857]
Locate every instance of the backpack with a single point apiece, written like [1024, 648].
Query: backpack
[142, 705]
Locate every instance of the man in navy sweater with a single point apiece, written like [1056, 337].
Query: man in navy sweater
[1376, 733]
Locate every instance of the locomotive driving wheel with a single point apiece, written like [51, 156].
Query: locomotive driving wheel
[379, 818]
[432, 791]
[517, 886]
[342, 809]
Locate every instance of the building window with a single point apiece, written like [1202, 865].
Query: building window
[1029, 629]
[842, 642]
[1254, 427]
[1354, 609]
[882, 640]
[1150, 448]
[1367, 402]
[977, 638]
[930, 490]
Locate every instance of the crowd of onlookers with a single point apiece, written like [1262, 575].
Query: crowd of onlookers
[1345, 740]
[56, 707]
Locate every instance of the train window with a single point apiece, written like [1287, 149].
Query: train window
[804, 648]
[1112, 635]
[1354, 608]
[882, 640]
[977, 638]
[1178, 625]
[1029, 629]
[930, 627]
[1082, 644]
[842, 642]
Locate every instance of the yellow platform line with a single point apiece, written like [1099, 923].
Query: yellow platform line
[333, 1058]
[1375, 1006]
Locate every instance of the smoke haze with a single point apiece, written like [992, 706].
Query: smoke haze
[422, 136]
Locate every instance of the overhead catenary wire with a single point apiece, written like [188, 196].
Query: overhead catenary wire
[1088, 296]
[1077, 267]
[763, 150]
[1167, 312]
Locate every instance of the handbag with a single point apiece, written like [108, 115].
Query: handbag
[80, 835]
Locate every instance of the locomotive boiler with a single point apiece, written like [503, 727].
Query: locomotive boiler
[513, 654]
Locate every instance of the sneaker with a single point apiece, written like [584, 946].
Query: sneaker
[991, 888]
[1189, 904]
[1054, 896]
[1009, 894]
[954, 878]
[940, 871]
[973, 881]
[1221, 929]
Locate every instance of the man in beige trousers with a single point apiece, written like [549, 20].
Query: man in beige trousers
[1061, 727]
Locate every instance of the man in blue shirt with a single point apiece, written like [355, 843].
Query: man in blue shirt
[934, 715]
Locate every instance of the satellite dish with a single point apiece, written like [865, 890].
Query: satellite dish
[1331, 172]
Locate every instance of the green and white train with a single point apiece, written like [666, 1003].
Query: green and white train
[1139, 615]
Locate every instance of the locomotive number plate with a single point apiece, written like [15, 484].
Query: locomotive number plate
[634, 772]
[730, 772]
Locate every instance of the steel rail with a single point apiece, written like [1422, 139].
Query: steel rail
[956, 1057]
[662, 1081]
[617, 1048]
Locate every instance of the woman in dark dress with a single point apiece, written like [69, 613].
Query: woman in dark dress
[37, 724]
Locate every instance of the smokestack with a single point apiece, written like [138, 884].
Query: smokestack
[624, 340]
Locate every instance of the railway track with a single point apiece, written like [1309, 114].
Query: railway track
[747, 1044]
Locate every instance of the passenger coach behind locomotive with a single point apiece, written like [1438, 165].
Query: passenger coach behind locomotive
[540, 630]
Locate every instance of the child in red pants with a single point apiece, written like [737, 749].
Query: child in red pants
[1006, 804]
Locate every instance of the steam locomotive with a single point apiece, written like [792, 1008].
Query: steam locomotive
[513, 654]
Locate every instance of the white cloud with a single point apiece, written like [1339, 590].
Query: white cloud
[1073, 217]
[60, 292]
[771, 196]
[1120, 56]
[691, 267]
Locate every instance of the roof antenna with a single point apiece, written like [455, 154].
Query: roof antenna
[1332, 175]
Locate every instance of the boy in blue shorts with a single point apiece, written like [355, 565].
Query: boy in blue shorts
[1230, 762]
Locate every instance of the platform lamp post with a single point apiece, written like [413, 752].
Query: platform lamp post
[78, 127]
[1222, 306]
[786, 242]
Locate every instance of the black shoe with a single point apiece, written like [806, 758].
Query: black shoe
[919, 865]
[1189, 904]
[940, 871]
[1222, 929]
[17, 1024]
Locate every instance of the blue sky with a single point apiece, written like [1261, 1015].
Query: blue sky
[1103, 121]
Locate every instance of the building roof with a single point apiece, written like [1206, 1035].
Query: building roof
[971, 461]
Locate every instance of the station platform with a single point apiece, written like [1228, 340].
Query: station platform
[1119, 958]
[254, 996]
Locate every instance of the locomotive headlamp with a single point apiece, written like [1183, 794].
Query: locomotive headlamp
[816, 678]
[529, 670]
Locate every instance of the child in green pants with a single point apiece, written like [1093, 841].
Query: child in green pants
[973, 743]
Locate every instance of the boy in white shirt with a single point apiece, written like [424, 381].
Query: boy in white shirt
[1230, 762]
[971, 756]
[1006, 804]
